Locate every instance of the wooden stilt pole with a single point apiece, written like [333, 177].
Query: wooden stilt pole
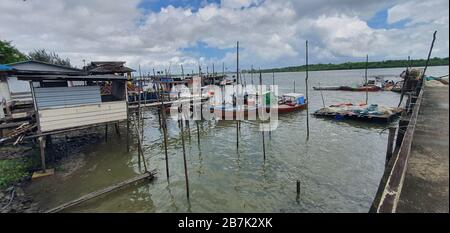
[128, 133]
[42, 148]
[116, 126]
[106, 132]
[390, 144]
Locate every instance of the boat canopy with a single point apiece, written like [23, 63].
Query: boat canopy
[293, 95]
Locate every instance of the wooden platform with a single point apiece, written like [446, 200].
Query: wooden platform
[148, 175]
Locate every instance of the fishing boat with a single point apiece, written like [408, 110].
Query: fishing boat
[327, 88]
[290, 102]
[368, 88]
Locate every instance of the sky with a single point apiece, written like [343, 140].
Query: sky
[157, 34]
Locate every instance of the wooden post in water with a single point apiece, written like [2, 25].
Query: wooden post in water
[390, 144]
[273, 78]
[237, 80]
[262, 104]
[251, 75]
[298, 190]
[164, 127]
[294, 85]
[365, 77]
[321, 94]
[307, 97]
[184, 155]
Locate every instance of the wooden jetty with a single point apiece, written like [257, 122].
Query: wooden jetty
[107, 190]
[416, 176]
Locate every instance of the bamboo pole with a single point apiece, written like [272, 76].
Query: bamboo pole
[251, 75]
[365, 77]
[307, 97]
[164, 128]
[321, 94]
[184, 155]
[237, 80]
[262, 98]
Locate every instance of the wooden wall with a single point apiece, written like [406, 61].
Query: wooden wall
[67, 117]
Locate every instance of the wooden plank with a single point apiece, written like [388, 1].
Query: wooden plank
[81, 122]
[147, 175]
[81, 115]
[105, 106]
[63, 118]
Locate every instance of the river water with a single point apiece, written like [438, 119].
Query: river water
[339, 167]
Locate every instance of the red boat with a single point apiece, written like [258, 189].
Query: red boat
[291, 102]
[369, 88]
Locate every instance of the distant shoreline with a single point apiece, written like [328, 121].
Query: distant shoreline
[357, 65]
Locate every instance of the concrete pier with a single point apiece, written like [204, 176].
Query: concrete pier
[425, 186]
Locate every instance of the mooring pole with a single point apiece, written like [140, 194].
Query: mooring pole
[264, 146]
[307, 98]
[321, 94]
[237, 80]
[198, 134]
[273, 78]
[251, 75]
[294, 85]
[184, 155]
[365, 77]
[298, 190]
[164, 127]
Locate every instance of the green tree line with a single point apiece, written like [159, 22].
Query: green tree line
[361, 65]
[10, 54]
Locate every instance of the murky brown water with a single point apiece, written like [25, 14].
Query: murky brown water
[339, 167]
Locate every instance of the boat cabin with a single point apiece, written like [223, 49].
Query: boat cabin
[292, 99]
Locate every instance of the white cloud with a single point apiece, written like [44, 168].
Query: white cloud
[271, 33]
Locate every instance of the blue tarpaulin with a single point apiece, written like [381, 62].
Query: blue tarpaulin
[5, 68]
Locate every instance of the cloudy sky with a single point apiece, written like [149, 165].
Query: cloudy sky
[158, 34]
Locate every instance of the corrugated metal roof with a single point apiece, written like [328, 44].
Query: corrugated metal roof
[105, 77]
[44, 63]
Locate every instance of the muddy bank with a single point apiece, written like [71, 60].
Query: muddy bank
[64, 153]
